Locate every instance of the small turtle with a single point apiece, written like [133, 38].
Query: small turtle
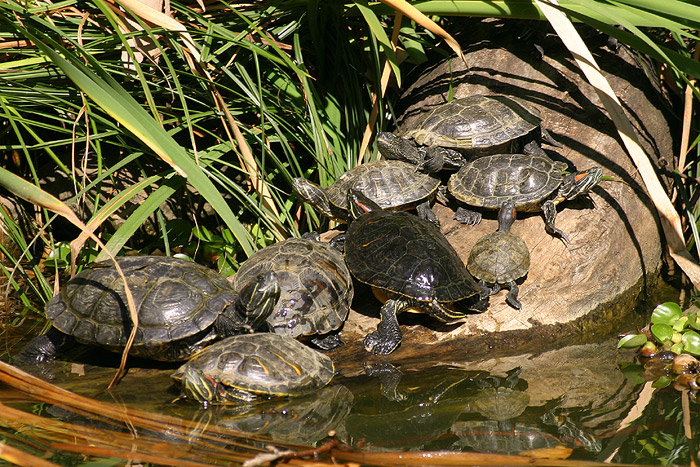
[315, 288]
[392, 184]
[500, 258]
[409, 260]
[251, 366]
[466, 128]
[531, 182]
[182, 307]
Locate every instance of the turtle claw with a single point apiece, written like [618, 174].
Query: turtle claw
[466, 216]
[376, 345]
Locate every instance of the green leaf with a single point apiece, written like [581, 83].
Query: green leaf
[662, 382]
[662, 332]
[631, 341]
[691, 342]
[666, 313]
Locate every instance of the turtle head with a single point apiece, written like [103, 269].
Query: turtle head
[579, 183]
[197, 386]
[398, 148]
[313, 194]
[506, 216]
[359, 204]
[257, 300]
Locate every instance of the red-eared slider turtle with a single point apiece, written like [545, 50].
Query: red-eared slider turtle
[409, 260]
[392, 184]
[466, 128]
[315, 288]
[531, 182]
[182, 307]
[250, 366]
[500, 258]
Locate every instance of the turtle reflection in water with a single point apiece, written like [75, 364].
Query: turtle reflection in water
[304, 420]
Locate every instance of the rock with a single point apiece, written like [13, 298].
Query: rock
[614, 257]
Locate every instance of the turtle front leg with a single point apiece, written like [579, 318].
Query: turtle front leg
[44, 348]
[328, 341]
[550, 214]
[438, 158]
[466, 216]
[487, 291]
[512, 297]
[256, 301]
[425, 212]
[387, 337]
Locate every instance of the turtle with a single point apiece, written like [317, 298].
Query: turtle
[500, 258]
[247, 367]
[315, 288]
[392, 184]
[462, 129]
[531, 182]
[182, 306]
[410, 261]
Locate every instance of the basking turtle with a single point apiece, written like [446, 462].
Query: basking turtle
[500, 258]
[466, 128]
[315, 288]
[182, 307]
[250, 366]
[531, 182]
[409, 260]
[392, 184]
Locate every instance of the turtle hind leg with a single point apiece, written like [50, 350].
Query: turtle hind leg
[328, 341]
[512, 297]
[466, 216]
[425, 212]
[388, 336]
[550, 214]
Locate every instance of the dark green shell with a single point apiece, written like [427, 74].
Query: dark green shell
[499, 257]
[177, 302]
[262, 364]
[400, 253]
[491, 181]
[315, 285]
[389, 183]
[476, 122]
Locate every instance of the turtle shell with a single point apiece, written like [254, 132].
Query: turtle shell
[315, 285]
[401, 253]
[261, 364]
[476, 122]
[491, 181]
[389, 183]
[177, 303]
[499, 257]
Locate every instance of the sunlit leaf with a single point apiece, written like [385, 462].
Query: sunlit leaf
[662, 332]
[631, 341]
[666, 313]
[691, 342]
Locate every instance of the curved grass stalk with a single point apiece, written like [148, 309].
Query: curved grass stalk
[670, 220]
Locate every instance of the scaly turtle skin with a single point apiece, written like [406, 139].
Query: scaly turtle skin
[466, 128]
[250, 366]
[409, 260]
[530, 182]
[500, 258]
[182, 307]
[392, 184]
[315, 288]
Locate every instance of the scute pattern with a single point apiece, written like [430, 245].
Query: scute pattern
[263, 363]
[315, 285]
[476, 122]
[499, 257]
[400, 253]
[490, 181]
[176, 300]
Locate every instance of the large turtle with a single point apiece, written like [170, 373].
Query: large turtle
[182, 307]
[250, 366]
[315, 288]
[462, 129]
[409, 260]
[392, 184]
[500, 258]
[531, 182]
